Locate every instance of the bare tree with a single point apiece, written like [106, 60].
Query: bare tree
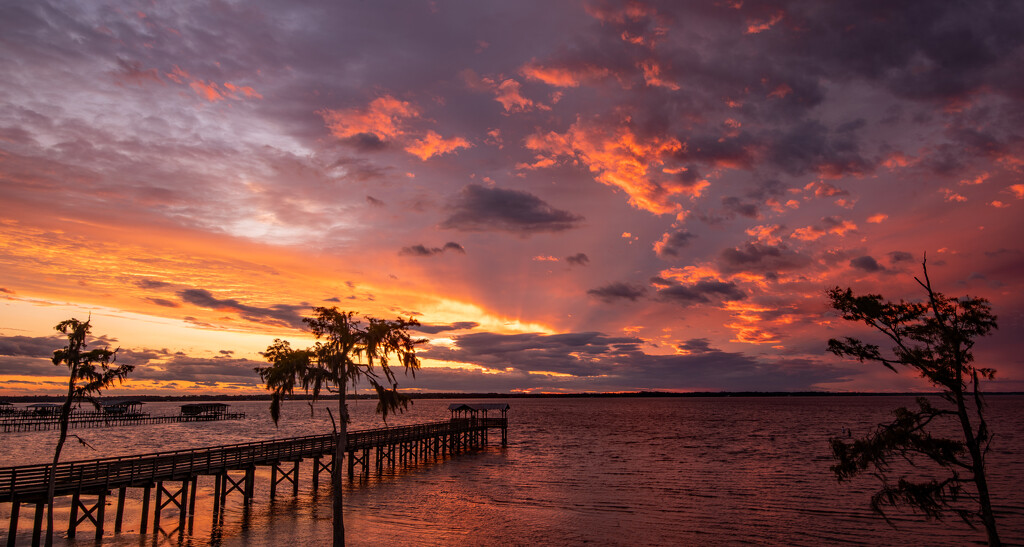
[346, 351]
[90, 373]
[935, 339]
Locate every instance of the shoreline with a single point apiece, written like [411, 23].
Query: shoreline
[458, 395]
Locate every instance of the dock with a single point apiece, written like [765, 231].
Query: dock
[172, 476]
[45, 417]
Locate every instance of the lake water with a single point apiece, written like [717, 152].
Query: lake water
[617, 471]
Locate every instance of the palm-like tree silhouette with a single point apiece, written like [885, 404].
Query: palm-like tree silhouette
[346, 351]
[90, 373]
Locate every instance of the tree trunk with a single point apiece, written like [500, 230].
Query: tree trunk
[339, 453]
[51, 484]
[988, 518]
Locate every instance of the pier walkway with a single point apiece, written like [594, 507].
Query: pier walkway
[389, 447]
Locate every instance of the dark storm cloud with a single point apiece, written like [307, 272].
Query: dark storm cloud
[423, 251]
[867, 264]
[618, 291]
[278, 314]
[434, 329]
[809, 147]
[620, 361]
[569, 353]
[673, 243]
[736, 206]
[896, 257]
[578, 259]
[695, 345]
[151, 284]
[162, 365]
[479, 208]
[701, 292]
[164, 302]
[761, 258]
[919, 50]
[766, 189]
[31, 346]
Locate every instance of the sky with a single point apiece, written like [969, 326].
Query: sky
[568, 196]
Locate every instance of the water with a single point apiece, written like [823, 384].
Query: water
[575, 471]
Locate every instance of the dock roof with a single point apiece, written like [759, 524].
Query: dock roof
[478, 406]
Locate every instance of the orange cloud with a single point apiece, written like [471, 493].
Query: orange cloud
[781, 91]
[828, 225]
[619, 158]
[768, 234]
[211, 91]
[383, 117]
[980, 179]
[178, 75]
[755, 27]
[564, 76]
[898, 159]
[1017, 190]
[434, 144]
[877, 219]
[951, 196]
[207, 91]
[244, 90]
[619, 14]
[509, 95]
[652, 76]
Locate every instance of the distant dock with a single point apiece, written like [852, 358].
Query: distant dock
[45, 416]
[173, 476]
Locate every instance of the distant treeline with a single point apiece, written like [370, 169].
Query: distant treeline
[458, 395]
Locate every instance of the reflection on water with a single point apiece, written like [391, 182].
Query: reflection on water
[604, 471]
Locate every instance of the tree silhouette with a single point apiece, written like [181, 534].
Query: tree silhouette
[346, 351]
[90, 373]
[935, 339]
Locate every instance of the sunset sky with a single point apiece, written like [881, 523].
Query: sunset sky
[569, 196]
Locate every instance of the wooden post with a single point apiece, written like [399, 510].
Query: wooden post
[192, 503]
[156, 510]
[273, 481]
[101, 511]
[250, 484]
[119, 514]
[37, 524]
[351, 463]
[182, 506]
[316, 473]
[217, 479]
[144, 524]
[295, 481]
[13, 530]
[73, 521]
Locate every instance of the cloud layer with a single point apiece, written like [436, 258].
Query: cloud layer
[570, 196]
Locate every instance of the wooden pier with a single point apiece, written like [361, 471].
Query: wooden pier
[172, 476]
[34, 421]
